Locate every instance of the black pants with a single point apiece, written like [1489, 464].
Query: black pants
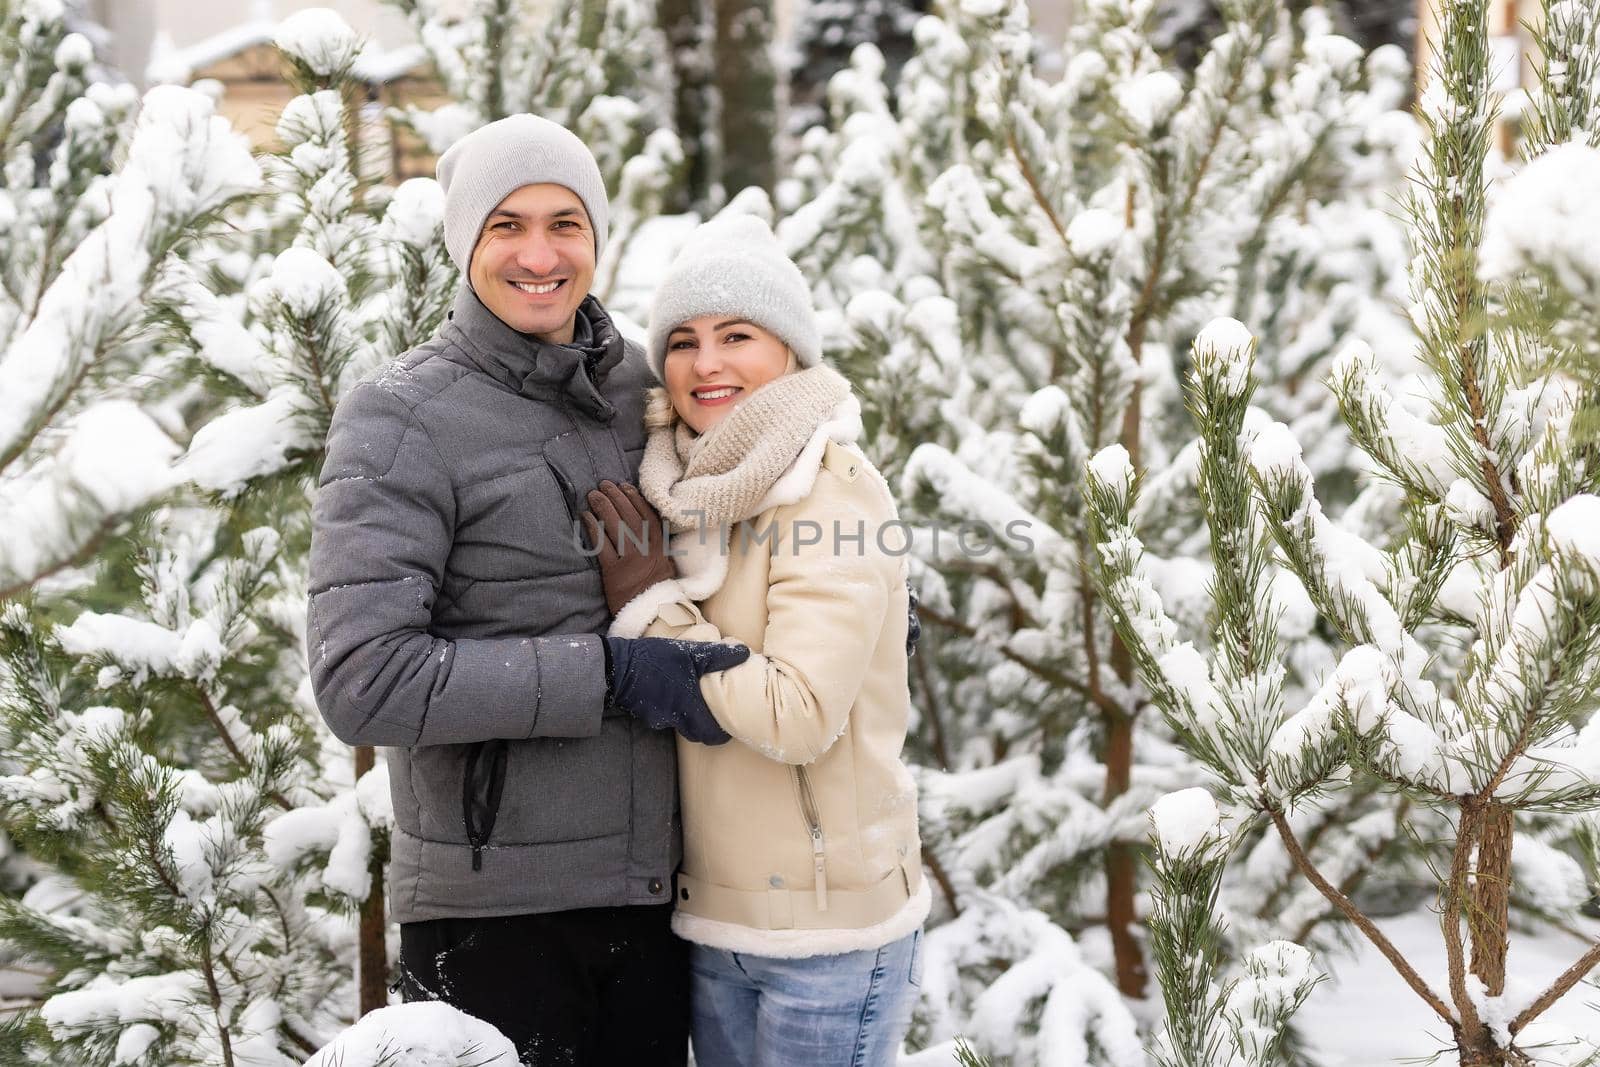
[595, 987]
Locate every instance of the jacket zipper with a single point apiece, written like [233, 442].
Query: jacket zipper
[808, 809]
[480, 810]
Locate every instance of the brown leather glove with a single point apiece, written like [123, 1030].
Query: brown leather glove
[632, 542]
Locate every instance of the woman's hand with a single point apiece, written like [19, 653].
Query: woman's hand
[631, 542]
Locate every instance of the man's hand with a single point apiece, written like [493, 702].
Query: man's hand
[631, 540]
[657, 681]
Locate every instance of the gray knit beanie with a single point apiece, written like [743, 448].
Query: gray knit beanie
[493, 161]
[732, 265]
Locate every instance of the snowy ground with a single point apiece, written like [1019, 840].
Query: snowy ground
[1365, 1016]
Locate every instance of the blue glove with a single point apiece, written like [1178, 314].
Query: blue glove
[657, 681]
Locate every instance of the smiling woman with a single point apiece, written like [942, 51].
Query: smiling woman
[534, 261]
[714, 362]
[801, 885]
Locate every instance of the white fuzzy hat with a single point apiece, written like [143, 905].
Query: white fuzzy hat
[497, 159]
[732, 265]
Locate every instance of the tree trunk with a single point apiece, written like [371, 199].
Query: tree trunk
[591, 20]
[1122, 861]
[1488, 909]
[1122, 858]
[372, 953]
[747, 87]
[686, 24]
[1489, 912]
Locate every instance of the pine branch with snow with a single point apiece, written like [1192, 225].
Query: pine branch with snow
[1016, 989]
[360, 276]
[601, 70]
[1240, 1022]
[425, 1034]
[79, 446]
[1532, 246]
[156, 750]
[1185, 932]
[1497, 744]
[1565, 105]
[61, 133]
[1377, 714]
[168, 765]
[1006, 265]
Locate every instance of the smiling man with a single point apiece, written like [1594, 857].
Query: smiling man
[536, 286]
[457, 619]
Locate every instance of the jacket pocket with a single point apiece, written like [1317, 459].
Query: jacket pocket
[483, 780]
[569, 463]
[568, 789]
[569, 492]
[515, 525]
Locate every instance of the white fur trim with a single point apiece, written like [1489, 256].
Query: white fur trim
[794, 484]
[701, 560]
[637, 614]
[798, 944]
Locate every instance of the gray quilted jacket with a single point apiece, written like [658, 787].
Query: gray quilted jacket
[455, 619]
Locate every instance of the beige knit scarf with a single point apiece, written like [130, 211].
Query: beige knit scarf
[719, 477]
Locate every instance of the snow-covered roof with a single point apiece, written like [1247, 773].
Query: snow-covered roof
[172, 65]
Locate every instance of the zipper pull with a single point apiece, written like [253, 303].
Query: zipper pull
[477, 857]
[818, 864]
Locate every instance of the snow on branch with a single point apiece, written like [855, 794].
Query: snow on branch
[185, 164]
[424, 1034]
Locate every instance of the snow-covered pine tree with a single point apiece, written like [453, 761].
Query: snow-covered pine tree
[1243, 1021]
[823, 38]
[47, 168]
[1009, 269]
[598, 67]
[1185, 27]
[1536, 224]
[211, 843]
[81, 439]
[1470, 672]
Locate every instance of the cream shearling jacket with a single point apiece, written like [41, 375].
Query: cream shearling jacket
[800, 835]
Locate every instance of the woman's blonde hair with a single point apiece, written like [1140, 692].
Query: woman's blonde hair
[659, 414]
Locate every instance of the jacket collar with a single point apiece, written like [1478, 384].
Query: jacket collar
[538, 368]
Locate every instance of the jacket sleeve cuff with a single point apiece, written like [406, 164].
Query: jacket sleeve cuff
[519, 688]
[637, 614]
[564, 694]
[570, 697]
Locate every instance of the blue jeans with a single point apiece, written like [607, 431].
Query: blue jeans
[849, 1010]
